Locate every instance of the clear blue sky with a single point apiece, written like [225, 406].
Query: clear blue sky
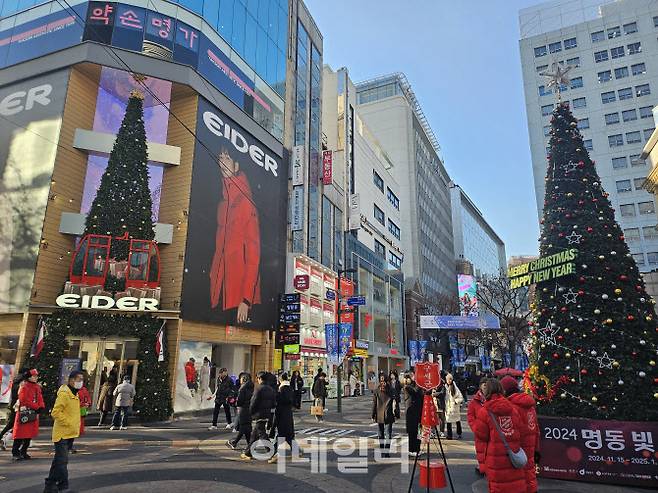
[462, 60]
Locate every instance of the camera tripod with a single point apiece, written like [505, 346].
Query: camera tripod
[443, 456]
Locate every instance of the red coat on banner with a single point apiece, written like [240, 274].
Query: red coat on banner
[473, 407]
[190, 372]
[526, 406]
[501, 475]
[29, 395]
[234, 274]
[85, 403]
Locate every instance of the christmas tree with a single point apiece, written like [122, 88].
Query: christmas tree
[594, 331]
[123, 201]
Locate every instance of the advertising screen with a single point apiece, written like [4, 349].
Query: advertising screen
[235, 260]
[468, 303]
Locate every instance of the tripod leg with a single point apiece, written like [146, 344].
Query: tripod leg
[427, 471]
[445, 462]
[413, 471]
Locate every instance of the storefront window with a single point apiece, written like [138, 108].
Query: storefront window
[8, 349]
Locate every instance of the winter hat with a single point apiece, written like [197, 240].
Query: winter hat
[33, 372]
[509, 384]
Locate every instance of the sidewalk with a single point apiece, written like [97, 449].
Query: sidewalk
[557, 486]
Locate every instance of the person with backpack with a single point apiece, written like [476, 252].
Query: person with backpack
[499, 426]
[473, 407]
[262, 402]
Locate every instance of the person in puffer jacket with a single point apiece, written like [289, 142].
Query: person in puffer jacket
[527, 409]
[502, 476]
[473, 407]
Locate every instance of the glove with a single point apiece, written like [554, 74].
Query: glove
[537, 457]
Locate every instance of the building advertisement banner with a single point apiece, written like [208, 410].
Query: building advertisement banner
[297, 209]
[345, 337]
[235, 258]
[327, 167]
[355, 212]
[468, 303]
[331, 338]
[454, 322]
[298, 165]
[618, 452]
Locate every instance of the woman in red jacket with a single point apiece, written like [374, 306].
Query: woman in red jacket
[501, 475]
[473, 407]
[29, 397]
[526, 407]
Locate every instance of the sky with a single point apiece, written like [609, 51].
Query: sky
[462, 60]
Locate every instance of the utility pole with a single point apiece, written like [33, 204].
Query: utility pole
[339, 368]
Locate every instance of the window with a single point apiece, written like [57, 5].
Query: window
[639, 182]
[379, 215]
[655, 21]
[394, 260]
[621, 72]
[646, 207]
[623, 186]
[583, 123]
[394, 229]
[541, 68]
[598, 36]
[652, 257]
[600, 56]
[392, 198]
[635, 160]
[630, 28]
[576, 82]
[639, 258]
[614, 32]
[634, 48]
[605, 76]
[570, 43]
[646, 112]
[608, 97]
[540, 51]
[579, 103]
[611, 118]
[627, 210]
[629, 115]
[555, 47]
[544, 92]
[619, 162]
[625, 93]
[547, 130]
[649, 231]
[647, 133]
[377, 180]
[617, 52]
[547, 109]
[632, 234]
[616, 140]
[642, 90]
[588, 144]
[633, 137]
[380, 249]
[574, 62]
[639, 69]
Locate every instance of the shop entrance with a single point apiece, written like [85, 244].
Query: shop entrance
[101, 359]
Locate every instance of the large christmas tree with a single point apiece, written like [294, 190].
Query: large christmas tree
[595, 331]
[123, 200]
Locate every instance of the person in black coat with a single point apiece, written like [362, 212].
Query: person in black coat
[319, 392]
[382, 412]
[223, 390]
[262, 402]
[11, 417]
[283, 418]
[396, 392]
[439, 395]
[297, 385]
[243, 418]
[413, 400]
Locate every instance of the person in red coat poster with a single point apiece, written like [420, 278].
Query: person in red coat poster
[190, 375]
[29, 397]
[527, 408]
[473, 407]
[502, 476]
[234, 274]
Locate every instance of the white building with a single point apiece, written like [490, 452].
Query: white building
[614, 86]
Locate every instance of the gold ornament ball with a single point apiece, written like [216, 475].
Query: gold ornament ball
[567, 355]
[545, 363]
[615, 364]
[566, 330]
[617, 291]
[655, 396]
[594, 398]
[608, 321]
[652, 363]
[648, 318]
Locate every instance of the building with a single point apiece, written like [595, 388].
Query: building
[389, 108]
[614, 86]
[214, 76]
[650, 155]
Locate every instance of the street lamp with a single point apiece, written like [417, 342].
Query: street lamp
[339, 372]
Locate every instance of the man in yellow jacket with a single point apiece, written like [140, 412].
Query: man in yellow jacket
[66, 417]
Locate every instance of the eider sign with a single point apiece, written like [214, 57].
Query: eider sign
[127, 303]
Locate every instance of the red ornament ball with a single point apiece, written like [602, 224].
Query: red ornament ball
[623, 277]
[563, 309]
[581, 292]
[556, 356]
[630, 318]
[583, 371]
[581, 279]
[590, 229]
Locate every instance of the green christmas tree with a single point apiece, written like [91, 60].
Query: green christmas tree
[123, 201]
[595, 331]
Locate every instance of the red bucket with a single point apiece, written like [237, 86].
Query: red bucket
[437, 475]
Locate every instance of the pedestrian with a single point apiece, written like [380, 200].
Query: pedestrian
[243, 414]
[413, 400]
[439, 397]
[66, 427]
[85, 404]
[502, 476]
[297, 385]
[26, 422]
[190, 375]
[262, 402]
[6, 432]
[473, 407]
[204, 378]
[317, 375]
[125, 397]
[354, 384]
[527, 409]
[453, 401]
[396, 392]
[105, 398]
[223, 390]
[382, 412]
[283, 417]
[319, 392]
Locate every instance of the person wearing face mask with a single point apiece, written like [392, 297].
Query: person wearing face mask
[66, 427]
[30, 402]
[413, 399]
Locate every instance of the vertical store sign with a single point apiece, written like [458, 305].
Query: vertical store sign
[327, 167]
[297, 209]
[355, 212]
[468, 303]
[298, 165]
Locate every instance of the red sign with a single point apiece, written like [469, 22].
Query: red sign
[430, 417]
[291, 357]
[346, 290]
[327, 167]
[301, 282]
[428, 375]
[617, 452]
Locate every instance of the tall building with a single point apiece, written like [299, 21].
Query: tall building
[612, 48]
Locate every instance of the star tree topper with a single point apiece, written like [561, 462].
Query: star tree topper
[557, 77]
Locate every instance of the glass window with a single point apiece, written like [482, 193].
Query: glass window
[583, 123]
[547, 109]
[394, 260]
[639, 182]
[614, 32]
[646, 112]
[625, 93]
[251, 41]
[630, 28]
[327, 240]
[579, 103]
[608, 97]
[633, 137]
[540, 51]
[632, 234]
[623, 186]
[605, 76]
[380, 248]
[588, 144]
[574, 62]
[541, 68]
[642, 90]
[394, 229]
[639, 258]
[619, 162]
[544, 92]
[649, 231]
[392, 198]
[621, 72]
[338, 238]
[194, 5]
[634, 48]
[239, 26]
[547, 130]
[225, 19]
[639, 69]
[646, 207]
[576, 82]
[616, 140]
[570, 43]
[555, 47]
[379, 215]
[598, 36]
[600, 56]
[629, 115]
[647, 133]
[627, 210]
[652, 257]
[377, 180]
[611, 118]
[635, 160]
[617, 52]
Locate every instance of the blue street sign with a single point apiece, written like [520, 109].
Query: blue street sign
[356, 300]
[330, 295]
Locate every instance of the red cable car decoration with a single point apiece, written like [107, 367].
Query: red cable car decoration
[91, 263]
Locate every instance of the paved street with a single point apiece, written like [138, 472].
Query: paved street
[185, 455]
